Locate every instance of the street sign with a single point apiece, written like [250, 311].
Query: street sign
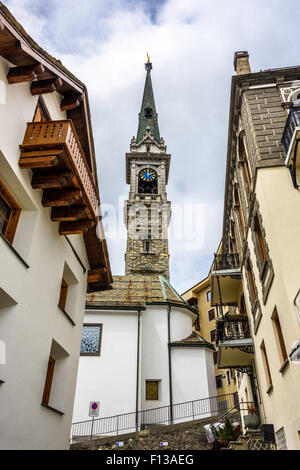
[119, 444]
[164, 444]
[94, 409]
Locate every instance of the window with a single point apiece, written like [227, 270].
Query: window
[208, 295]
[212, 336]
[281, 440]
[9, 214]
[266, 366]
[228, 377]
[279, 338]
[63, 294]
[245, 165]
[239, 209]
[211, 314]
[152, 389]
[147, 246]
[56, 384]
[91, 340]
[41, 113]
[48, 382]
[251, 283]
[215, 357]
[260, 241]
[243, 309]
[219, 381]
[197, 324]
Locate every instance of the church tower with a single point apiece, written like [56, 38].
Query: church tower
[139, 334]
[147, 211]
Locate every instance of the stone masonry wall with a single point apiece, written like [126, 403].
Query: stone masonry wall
[183, 436]
[263, 119]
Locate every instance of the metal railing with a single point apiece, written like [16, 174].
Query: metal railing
[136, 421]
[292, 122]
[227, 261]
[233, 327]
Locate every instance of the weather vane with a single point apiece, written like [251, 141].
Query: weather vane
[148, 58]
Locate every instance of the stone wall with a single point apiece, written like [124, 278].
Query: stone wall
[182, 436]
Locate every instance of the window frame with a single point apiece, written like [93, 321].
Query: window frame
[245, 165]
[43, 110]
[152, 381]
[267, 370]
[214, 331]
[14, 216]
[208, 314]
[98, 353]
[48, 381]
[280, 343]
[220, 377]
[63, 294]
[260, 243]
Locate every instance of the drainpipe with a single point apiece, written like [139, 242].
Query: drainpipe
[138, 371]
[254, 393]
[170, 365]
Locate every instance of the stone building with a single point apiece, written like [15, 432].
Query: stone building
[139, 350]
[255, 280]
[50, 249]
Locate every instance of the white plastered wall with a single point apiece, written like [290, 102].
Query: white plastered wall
[31, 319]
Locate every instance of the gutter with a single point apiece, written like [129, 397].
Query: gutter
[170, 365]
[138, 370]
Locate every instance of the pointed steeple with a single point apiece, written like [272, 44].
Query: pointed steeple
[148, 116]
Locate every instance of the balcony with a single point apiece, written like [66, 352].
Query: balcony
[290, 141]
[235, 346]
[51, 149]
[226, 280]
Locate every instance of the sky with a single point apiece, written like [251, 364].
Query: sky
[191, 44]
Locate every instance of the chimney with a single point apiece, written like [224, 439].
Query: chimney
[241, 63]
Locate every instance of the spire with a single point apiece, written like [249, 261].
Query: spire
[148, 116]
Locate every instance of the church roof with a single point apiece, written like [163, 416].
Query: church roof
[137, 292]
[148, 115]
[194, 340]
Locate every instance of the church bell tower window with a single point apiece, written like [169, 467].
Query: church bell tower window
[148, 113]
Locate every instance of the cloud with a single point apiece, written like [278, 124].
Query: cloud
[191, 44]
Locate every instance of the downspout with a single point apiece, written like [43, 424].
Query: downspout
[138, 372]
[170, 365]
[254, 393]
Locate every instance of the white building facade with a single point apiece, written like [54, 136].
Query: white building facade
[45, 265]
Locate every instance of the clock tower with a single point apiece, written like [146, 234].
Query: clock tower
[147, 211]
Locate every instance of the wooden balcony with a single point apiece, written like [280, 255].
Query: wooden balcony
[51, 149]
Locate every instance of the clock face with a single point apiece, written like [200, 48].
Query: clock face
[147, 174]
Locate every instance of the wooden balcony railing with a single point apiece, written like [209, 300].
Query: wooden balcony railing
[55, 145]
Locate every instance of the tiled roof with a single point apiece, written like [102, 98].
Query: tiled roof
[193, 340]
[136, 292]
